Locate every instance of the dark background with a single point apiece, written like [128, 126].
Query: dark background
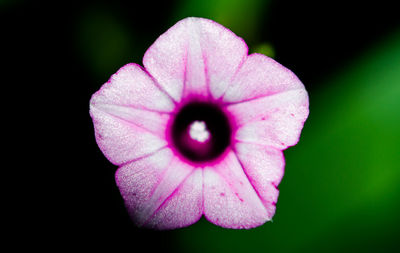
[57, 55]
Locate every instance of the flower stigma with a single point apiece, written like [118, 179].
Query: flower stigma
[198, 131]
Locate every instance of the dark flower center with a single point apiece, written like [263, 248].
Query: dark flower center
[201, 131]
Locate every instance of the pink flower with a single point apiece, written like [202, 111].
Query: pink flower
[200, 130]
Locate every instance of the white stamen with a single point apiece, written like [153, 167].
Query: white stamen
[198, 131]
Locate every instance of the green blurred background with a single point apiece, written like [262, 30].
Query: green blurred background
[341, 188]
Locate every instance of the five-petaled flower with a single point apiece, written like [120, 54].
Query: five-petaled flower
[200, 129]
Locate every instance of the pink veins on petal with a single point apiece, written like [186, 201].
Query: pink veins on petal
[200, 129]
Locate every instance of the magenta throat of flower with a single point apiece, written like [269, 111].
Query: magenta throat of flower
[201, 131]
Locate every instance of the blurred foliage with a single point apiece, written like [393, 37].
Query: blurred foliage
[242, 17]
[104, 41]
[264, 48]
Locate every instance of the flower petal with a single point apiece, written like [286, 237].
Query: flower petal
[153, 122]
[264, 166]
[260, 76]
[184, 207]
[122, 141]
[274, 120]
[229, 198]
[130, 115]
[195, 57]
[132, 87]
[153, 188]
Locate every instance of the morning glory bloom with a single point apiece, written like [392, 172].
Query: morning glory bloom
[200, 129]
